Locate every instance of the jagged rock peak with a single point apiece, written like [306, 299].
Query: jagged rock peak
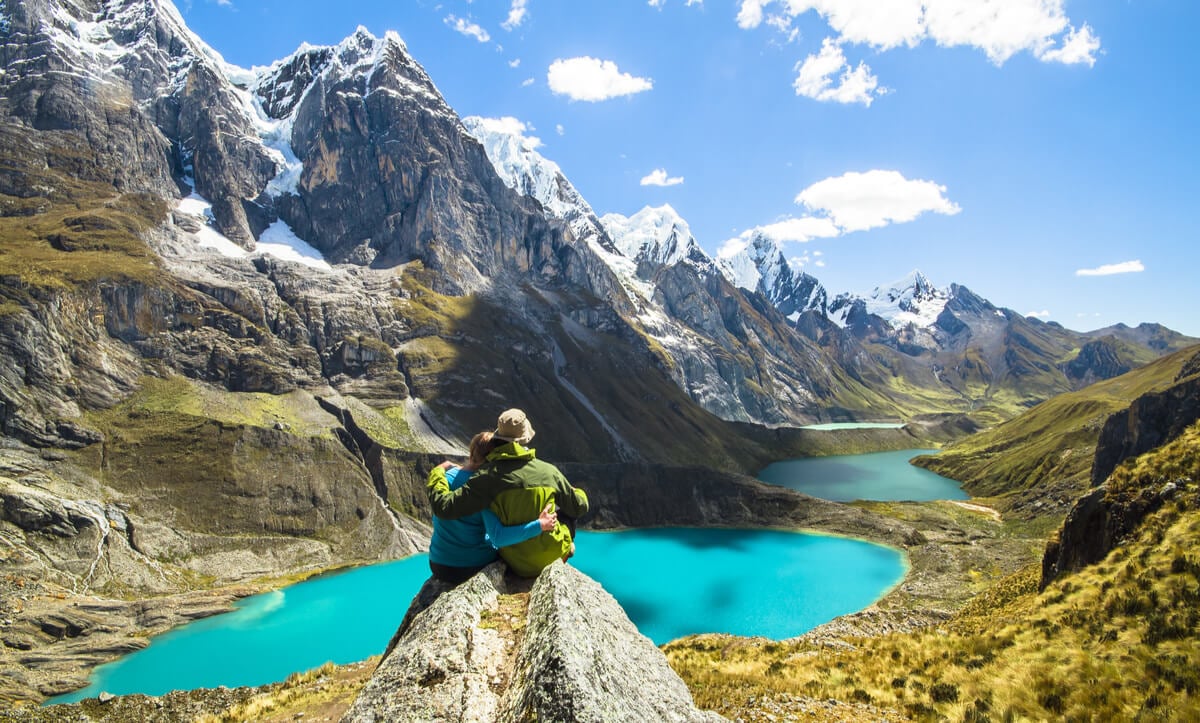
[571, 655]
[361, 54]
[121, 37]
[756, 262]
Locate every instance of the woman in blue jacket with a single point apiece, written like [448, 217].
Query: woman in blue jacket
[462, 547]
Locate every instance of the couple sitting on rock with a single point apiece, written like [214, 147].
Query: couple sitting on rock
[505, 499]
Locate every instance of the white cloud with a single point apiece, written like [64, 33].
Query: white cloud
[750, 14]
[514, 63]
[516, 15]
[593, 80]
[1000, 28]
[527, 82]
[860, 201]
[1043, 314]
[805, 228]
[470, 29]
[659, 177]
[1080, 46]
[660, 3]
[1125, 267]
[559, 129]
[816, 73]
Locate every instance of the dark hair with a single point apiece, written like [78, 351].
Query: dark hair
[481, 446]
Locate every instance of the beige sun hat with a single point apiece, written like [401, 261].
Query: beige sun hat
[514, 426]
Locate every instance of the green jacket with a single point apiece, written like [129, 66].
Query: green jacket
[515, 485]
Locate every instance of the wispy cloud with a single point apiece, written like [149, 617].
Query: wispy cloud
[659, 177]
[1043, 314]
[514, 63]
[1079, 46]
[1125, 267]
[468, 28]
[999, 29]
[815, 78]
[593, 80]
[527, 82]
[516, 15]
[860, 201]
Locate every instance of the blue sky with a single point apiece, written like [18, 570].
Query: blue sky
[1042, 153]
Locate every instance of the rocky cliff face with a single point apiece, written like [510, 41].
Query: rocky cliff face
[1096, 360]
[1110, 512]
[496, 649]
[1151, 421]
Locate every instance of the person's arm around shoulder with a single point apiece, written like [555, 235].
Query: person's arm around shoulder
[501, 535]
[452, 504]
[571, 500]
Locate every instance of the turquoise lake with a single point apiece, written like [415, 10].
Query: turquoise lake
[877, 476]
[671, 582]
[834, 426]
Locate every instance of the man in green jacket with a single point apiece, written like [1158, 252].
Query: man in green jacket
[515, 485]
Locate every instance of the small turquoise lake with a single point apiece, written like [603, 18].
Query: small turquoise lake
[876, 476]
[671, 582]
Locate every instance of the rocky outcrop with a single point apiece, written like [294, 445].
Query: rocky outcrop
[1096, 360]
[1152, 420]
[1105, 516]
[496, 649]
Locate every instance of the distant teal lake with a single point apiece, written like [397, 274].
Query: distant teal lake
[877, 476]
[671, 582]
[834, 426]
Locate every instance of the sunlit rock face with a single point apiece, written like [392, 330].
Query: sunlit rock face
[499, 649]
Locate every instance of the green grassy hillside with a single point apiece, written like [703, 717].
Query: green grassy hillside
[1116, 641]
[1034, 466]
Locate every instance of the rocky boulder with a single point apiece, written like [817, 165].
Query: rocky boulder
[497, 649]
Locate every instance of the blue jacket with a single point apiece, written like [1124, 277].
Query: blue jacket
[472, 541]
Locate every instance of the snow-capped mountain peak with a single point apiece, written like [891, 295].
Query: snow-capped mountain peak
[912, 299]
[656, 235]
[755, 261]
[514, 155]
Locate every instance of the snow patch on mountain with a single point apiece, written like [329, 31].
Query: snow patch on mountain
[277, 240]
